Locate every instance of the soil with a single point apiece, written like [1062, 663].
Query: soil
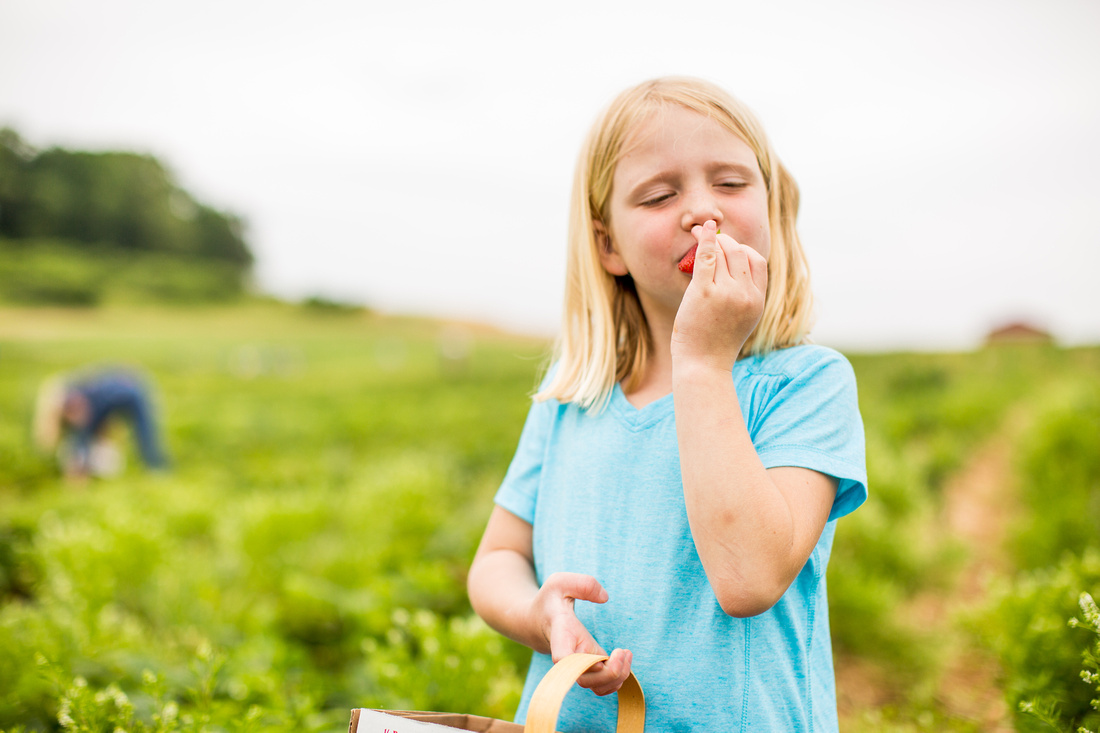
[979, 503]
[978, 506]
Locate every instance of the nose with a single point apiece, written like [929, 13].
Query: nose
[699, 207]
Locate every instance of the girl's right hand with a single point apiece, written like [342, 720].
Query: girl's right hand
[724, 301]
[565, 635]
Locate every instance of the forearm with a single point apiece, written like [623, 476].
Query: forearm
[743, 526]
[502, 588]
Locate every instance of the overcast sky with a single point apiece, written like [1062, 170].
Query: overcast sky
[417, 157]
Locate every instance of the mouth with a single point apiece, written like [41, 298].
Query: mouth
[687, 263]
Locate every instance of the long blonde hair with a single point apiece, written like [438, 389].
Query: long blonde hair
[48, 408]
[604, 337]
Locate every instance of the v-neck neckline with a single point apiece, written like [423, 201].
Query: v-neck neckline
[638, 418]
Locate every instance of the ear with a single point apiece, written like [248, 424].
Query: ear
[609, 256]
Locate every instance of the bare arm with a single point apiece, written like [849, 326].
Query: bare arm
[505, 593]
[754, 528]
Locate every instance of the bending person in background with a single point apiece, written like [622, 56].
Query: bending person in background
[74, 414]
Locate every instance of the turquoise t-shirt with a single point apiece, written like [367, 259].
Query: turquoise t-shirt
[604, 495]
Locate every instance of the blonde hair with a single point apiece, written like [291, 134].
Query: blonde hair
[604, 337]
[48, 408]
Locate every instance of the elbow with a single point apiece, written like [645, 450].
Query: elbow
[740, 599]
[743, 606]
[473, 588]
[749, 586]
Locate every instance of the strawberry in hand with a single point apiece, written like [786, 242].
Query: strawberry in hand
[687, 264]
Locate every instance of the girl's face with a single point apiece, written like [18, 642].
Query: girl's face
[680, 169]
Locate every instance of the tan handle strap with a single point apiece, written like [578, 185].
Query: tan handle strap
[542, 713]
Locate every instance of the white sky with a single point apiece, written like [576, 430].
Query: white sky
[417, 157]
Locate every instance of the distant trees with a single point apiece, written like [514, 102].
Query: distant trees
[82, 227]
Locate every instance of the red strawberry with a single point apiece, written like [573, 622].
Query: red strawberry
[688, 263]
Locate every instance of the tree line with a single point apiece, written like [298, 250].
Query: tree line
[70, 218]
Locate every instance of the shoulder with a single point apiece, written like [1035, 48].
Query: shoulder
[797, 381]
[548, 372]
[797, 363]
[802, 409]
[543, 403]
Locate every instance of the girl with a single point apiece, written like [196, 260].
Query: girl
[674, 491]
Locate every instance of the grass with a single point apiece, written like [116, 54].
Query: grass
[333, 472]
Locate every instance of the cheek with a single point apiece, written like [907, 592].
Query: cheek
[765, 247]
[765, 233]
[763, 227]
[750, 226]
[640, 237]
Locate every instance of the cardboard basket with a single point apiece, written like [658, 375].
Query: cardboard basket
[542, 713]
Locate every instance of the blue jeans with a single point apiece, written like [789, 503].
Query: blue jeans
[123, 395]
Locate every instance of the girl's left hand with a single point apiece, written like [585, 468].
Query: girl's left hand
[724, 301]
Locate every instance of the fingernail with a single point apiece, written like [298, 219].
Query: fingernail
[711, 225]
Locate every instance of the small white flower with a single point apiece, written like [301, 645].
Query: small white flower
[1089, 608]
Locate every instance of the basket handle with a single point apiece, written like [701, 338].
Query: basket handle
[542, 712]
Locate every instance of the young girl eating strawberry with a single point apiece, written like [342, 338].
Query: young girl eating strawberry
[675, 491]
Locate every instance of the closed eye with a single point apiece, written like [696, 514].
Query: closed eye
[657, 200]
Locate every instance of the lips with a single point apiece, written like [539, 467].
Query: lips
[687, 264]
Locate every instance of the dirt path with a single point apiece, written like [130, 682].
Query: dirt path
[979, 504]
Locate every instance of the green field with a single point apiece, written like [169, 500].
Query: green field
[333, 472]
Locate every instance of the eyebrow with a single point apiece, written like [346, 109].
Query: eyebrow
[746, 170]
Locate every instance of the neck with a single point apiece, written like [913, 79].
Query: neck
[655, 381]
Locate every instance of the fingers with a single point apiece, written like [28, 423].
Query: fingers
[567, 635]
[746, 265]
[608, 676]
[716, 259]
[724, 299]
[759, 268]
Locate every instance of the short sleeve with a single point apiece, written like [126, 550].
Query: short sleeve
[518, 491]
[812, 420]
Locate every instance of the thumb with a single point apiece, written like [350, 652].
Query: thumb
[583, 588]
[706, 253]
